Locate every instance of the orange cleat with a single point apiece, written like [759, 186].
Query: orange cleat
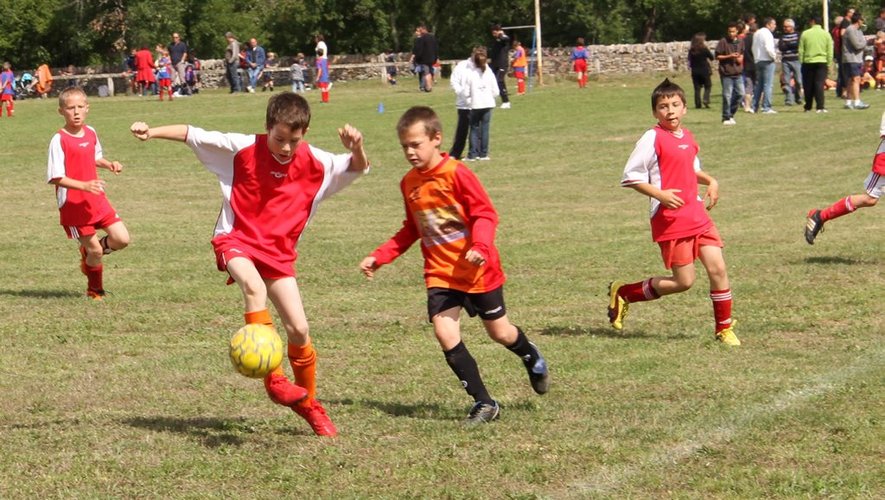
[281, 391]
[316, 416]
[96, 295]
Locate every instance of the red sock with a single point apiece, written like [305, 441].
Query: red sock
[838, 209]
[639, 291]
[721, 308]
[520, 86]
[94, 277]
[325, 95]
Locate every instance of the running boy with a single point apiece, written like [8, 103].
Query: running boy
[74, 154]
[664, 166]
[271, 184]
[874, 189]
[450, 212]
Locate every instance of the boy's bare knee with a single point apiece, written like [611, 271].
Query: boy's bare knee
[684, 283]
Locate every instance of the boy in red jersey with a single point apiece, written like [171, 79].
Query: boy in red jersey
[450, 212]
[271, 186]
[664, 166]
[874, 188]
[579, 58]
[74, 154]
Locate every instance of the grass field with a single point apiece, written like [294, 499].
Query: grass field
[135, 397]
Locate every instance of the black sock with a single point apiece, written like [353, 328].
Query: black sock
[467, 371]
[105, 248]
[523, 348]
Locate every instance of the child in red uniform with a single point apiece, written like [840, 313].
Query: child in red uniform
[7, 90]
[448, 210]
[874, 188]
[519, 63]
[579, 58]
[664, 166]
[271, 186]
[74, 152]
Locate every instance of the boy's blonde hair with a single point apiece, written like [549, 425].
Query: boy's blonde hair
[420, 114]
[289, 109]
[666, 89]
[63, 96]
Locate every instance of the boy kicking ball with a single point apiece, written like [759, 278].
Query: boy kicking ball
[874, 188]
[664, 166]
[448, 210]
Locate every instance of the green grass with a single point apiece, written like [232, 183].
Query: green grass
[135, 397]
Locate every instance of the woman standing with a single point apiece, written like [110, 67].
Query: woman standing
[699, 57]
[480, 93]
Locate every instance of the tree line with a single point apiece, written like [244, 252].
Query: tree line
[96, 32]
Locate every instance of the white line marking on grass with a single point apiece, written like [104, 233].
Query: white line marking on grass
[605, 479]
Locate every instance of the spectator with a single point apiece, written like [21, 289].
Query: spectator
[499, 61]
[789, 47]
[232, 62]
[390, 70]
[853, 44]
[815, 56]
[297, 71]
[730, 54]
[321, 44]
[699, 57]
[267, 76]
[459, 82]
[144, 65]
[764, 56]
[880, 21]
[482, 88]
[424, 55]
[255, 61]
[749, 73]
[178, 52]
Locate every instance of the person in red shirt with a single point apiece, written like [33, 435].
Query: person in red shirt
[664, 166]
[448, 210]
[74, 154]
[874, 188]
[271, 186]
[144, 70]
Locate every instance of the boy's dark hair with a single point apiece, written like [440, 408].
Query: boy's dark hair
[63, 96]
[423, 114]
[580, 40]
[321, 52]
[732, 24]
[289, 109]
[666, 89]
[856, 17]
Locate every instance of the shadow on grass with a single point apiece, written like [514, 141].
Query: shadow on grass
[213, 432]
[831, 259]
[426, 411]
[575, 331]
[41, 294]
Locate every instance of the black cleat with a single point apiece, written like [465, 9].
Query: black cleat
[483, 413]
[813, 226]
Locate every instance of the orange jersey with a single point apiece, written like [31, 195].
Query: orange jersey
[450, 212]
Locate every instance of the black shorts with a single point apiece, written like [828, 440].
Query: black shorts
[488, 305]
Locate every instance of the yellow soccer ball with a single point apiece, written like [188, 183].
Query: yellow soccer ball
[256, 350]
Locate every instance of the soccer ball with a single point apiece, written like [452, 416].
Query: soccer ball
[256, 350]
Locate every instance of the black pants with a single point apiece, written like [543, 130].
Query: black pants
[814, 76]
[461, 130]
[707, 83]
[500, 76]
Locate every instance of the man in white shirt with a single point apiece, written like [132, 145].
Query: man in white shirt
[764, 55]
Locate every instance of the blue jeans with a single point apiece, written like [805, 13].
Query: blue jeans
[764, 82]
[233, 77]
[479, 132]
[253, 75]
[793, 70]
[732, 95]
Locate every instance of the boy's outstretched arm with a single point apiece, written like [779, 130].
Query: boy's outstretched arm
[171, 132]
[352, 139]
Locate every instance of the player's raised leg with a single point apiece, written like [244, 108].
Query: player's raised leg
[513, 338]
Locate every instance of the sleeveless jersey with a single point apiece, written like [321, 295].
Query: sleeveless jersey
[74, 157]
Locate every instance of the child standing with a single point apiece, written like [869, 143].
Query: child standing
[664, 166]
[874, 188]
[270, 63]
[7, 90]
[579, 57]
[519, 63]
[164, 73]
[271, 185]
[323, 74]
[448, 210]
[297, 70]
[74, 154]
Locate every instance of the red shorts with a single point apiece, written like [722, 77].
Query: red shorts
[165, 82]
[684, 251]
[580, 65]
[108, 218]
[269, 269]
[519, 73]
[324, 86]
[7, 97]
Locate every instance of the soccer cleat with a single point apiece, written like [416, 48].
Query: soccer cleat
[483, 413]
[727, 335]
[96, 295]
[539, 375]
[316, 416]
[281, 391]
[617, 306]
[813, 226]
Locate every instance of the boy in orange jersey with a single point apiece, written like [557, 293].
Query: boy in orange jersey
[74, 152]
[664, 166]
[519, 63]
[448, 210]
[271, 186]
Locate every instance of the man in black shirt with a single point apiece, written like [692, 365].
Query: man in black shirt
[499, 61]
[425, 52]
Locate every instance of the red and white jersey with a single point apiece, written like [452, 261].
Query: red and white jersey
[266, 203]
[74, 157]
[669, 160]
